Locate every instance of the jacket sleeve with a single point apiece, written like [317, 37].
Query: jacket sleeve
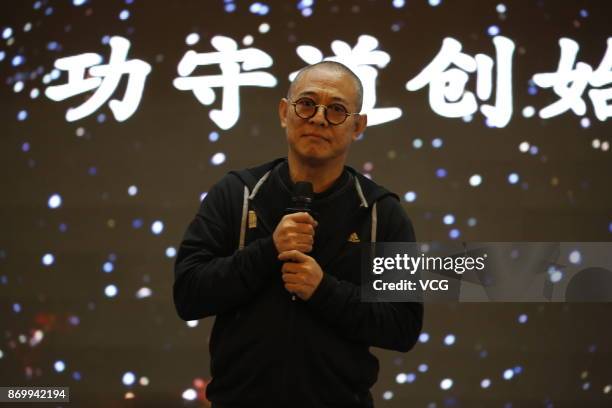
[388, 325]
[211, 276]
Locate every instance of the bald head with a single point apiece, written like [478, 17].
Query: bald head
[335, 67]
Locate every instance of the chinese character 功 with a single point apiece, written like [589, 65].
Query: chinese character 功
[104, 78]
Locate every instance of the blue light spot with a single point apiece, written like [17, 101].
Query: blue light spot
[63, 227]
[307, 12]
[436, 143]
[48, 11]
[410, 377]
[454, 233]
[255, 8]
[101, 118]
[584, 13]
[513, 178]
[108, 267]
[105, 39]
[424, 337]
[16, 307]
[410, 196]
[263, 10]
[92, 171]
[124, 15]
[7, 33]
[533, 150]
[610, 227]
[52, 46]
[449, 340]
[522, 319]
[25, 147]
[76, 376]
[423, 368]
[213, 136]
[74, 320]
[37, 5]
[493, 30]
[2, 55]
[59, 366]
[4, 279]
[441, 173]
[532, 90]
[230, 7]
[517, 370]
[137, 223]
[17, 60]
[129, 1]
[112, 257]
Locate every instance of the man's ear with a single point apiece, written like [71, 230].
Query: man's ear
[282, 112]
[360, 125]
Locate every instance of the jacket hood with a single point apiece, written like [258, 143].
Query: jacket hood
[371, 191]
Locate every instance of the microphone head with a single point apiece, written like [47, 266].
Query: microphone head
[302, 192]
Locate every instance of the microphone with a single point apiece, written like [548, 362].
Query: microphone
[301, 200]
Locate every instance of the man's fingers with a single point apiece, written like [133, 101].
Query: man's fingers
[302, 217]
[292, 278]
[293, 255]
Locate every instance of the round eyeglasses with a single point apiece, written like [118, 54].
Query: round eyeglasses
[335, 113]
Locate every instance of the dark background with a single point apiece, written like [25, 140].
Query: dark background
[562, 353]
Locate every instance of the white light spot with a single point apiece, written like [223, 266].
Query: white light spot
[108, 267]
[189, 394]
[264, 28]
[128, 378]
[192, 323]
[501, 8]
[203, 196]
[585, 122]
[417, 143]
[434, 3]
[493, 30]
[524, 147]
[410, 196]
[575, 257]
[192, 39]
[448, 219]
[513, 178]
[449, 340]
[508, 374]
[124, 15]
[55, 201]
[132, 190]
[528, 111]
[48, 259]
[522, 319]
[170, 252]
[18, 87]
[424, 337]
[475, 180]
[400, 378]
[486, 383]
[446, 384]
[247, 40]
[217, 159]
[7, 33]
[110, 291]
[157, 227]
[596, 143]
[436, 143]
[144, 292]
[606, 389]
[144, 381]
[34, 93]
[387, 395]
[59, 366]
[605, 146]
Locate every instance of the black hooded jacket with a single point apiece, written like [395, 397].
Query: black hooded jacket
[269, 350]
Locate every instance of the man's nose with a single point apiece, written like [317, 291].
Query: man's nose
[319, 117]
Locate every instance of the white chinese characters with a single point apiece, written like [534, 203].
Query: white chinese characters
[447, 94]
[228, 57]
[570, 82]
[361, 60]
[104, 78]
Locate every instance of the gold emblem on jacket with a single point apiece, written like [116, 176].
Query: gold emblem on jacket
[354, 238]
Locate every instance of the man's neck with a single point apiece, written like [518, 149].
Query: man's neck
[321, 175]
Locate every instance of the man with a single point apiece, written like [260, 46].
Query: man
[290, 328]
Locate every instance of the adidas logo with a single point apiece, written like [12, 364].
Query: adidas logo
[354, 237]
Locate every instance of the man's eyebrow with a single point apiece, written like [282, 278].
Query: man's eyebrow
[311, 93]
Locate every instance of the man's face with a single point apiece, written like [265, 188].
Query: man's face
[316, 140]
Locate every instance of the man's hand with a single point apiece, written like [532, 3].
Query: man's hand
[301, 273]
[295, 232]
